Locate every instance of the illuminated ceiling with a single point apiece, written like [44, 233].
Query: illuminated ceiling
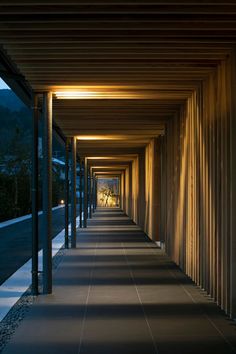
[118, 70]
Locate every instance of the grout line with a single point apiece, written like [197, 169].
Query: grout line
[204, 314]
[15, 286]
[197, 303]
[140, 301]
[87, 301]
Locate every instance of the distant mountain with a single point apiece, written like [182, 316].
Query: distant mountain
[9, 100]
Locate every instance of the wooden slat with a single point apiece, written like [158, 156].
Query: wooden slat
[177, 59]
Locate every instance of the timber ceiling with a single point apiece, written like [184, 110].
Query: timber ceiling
[157, 51]
[114, 165]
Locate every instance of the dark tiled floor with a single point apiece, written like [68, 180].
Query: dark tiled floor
[118, 293]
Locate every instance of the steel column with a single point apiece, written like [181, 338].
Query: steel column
[67, 194]
[34, 192]
[90, 194]
[96, 195]
[85, 192]
[80, 194]
[47, 193]
[73, 192]
[93, 193]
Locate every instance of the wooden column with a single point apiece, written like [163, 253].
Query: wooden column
[201, 187]
[233, 188]
[127, 191]
[141, 194]
[122, 191]
[130, 210]
[163, 190]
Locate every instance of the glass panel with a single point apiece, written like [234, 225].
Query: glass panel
[108, 192]
[15, 182]
[58, 184]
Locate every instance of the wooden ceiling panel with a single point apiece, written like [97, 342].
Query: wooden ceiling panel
[157, 51]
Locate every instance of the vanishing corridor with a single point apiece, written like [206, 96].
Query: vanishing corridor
[119, 293]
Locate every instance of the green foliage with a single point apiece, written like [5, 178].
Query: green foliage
[57, 187]
[6, 197]
[15, 159]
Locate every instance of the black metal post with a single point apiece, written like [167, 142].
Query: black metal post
[73, 192]
[35, 234]
[67, 194]
[96, 196]
[47, 193]
[90, 194]
[80, 193]
[85, 192]
[93, 193]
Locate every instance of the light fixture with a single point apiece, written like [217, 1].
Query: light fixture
[94, 137]
[95, 93]
[101, 137]
[79, 94]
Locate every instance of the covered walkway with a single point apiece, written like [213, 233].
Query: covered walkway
[119, 293]
[142, 95]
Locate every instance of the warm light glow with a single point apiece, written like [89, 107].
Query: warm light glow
[94, 137]
[129, 157]
[75, 94]
[95, 93]
[62, 202]
[108, 194]
[105, 137]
